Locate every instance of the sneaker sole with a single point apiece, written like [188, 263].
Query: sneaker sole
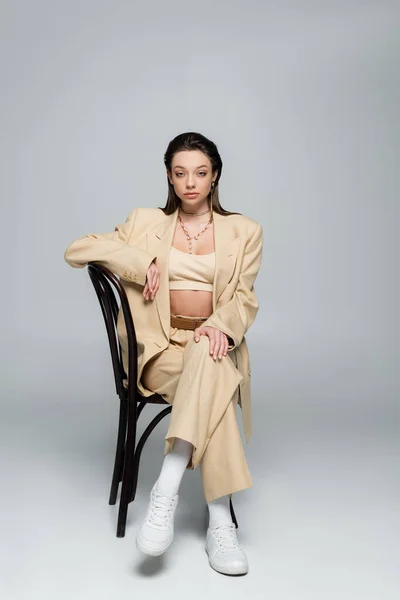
[151, 551]
[226, 570]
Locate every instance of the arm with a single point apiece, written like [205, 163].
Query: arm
[235, 317]
[112, 251]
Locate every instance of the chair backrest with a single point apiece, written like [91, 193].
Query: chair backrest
[112, 298]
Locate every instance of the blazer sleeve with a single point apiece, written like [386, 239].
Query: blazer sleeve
[113, 251]
[236, 316]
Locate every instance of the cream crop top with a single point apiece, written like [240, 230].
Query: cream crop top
[191, 271]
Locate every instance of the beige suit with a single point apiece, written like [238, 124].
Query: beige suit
[146, 235]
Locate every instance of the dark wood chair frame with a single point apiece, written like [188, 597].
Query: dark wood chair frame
[112, 298]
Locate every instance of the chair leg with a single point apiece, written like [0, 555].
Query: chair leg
[139, 410]
[233, 516]
[139, 449]
[120, 451]
[127, 473]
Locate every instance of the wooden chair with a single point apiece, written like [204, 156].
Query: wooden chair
[112, 297]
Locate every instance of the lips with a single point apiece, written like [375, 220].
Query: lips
[191, 195]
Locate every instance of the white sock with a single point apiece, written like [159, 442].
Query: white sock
[220, 513]
[174, 466]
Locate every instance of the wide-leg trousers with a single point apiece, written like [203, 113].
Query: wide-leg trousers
[204, 394]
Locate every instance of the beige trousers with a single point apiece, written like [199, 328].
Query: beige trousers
[204, 395]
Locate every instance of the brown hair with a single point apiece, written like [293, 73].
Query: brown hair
[193, 141]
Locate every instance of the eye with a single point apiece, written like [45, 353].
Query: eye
[202, 173]
[178, 173]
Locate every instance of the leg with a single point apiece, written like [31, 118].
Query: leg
[224, 475]
[207, 395]
[219, 512]
[204, 413]
[156, 533]
[224, 468]
[204, 396]
[174, 467]
[162, 375]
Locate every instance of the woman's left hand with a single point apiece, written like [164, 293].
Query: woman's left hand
[218, 340]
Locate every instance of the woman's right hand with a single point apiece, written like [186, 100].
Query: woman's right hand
[152, 282]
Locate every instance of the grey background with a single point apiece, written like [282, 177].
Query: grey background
[302, 100]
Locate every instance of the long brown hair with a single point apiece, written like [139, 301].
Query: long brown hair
[193, 141]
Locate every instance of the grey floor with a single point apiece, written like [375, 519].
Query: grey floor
[322, 520]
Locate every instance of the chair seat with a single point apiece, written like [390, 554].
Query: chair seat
[154, 399]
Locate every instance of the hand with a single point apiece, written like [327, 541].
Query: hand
[152, 282]
[218, 340]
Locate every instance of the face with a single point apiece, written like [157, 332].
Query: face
[191, 173]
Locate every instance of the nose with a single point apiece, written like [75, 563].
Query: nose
[190, 183]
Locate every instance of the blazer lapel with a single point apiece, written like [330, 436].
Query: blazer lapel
[159, 242]
[226, 251]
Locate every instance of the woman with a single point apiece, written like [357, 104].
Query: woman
[188, 270]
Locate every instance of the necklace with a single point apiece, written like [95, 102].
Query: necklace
[193, 237]
[197, 214]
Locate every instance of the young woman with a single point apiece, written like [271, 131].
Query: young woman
[188, 270]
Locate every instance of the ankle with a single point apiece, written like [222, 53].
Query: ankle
[219, 512]
[174, 467]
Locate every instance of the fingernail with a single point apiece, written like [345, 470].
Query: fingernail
[196, 339]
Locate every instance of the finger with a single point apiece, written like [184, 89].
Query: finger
[197, 333]
[148, 280]
[149, 287]
[212, 341]
[217, 345]
[224, 346]
[155, 286]
[217, 348]
[221, 346]
[147, 290]
[151, 280]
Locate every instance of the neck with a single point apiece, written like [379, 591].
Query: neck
[190, 207]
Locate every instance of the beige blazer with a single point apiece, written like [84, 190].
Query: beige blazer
[147, 235]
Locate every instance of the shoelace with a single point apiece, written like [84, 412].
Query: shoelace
[161, 510]
[226, 537]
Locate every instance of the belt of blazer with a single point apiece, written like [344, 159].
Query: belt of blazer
[147, 235]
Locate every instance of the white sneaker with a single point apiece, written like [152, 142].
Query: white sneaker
[224, 553]
[157, 529]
